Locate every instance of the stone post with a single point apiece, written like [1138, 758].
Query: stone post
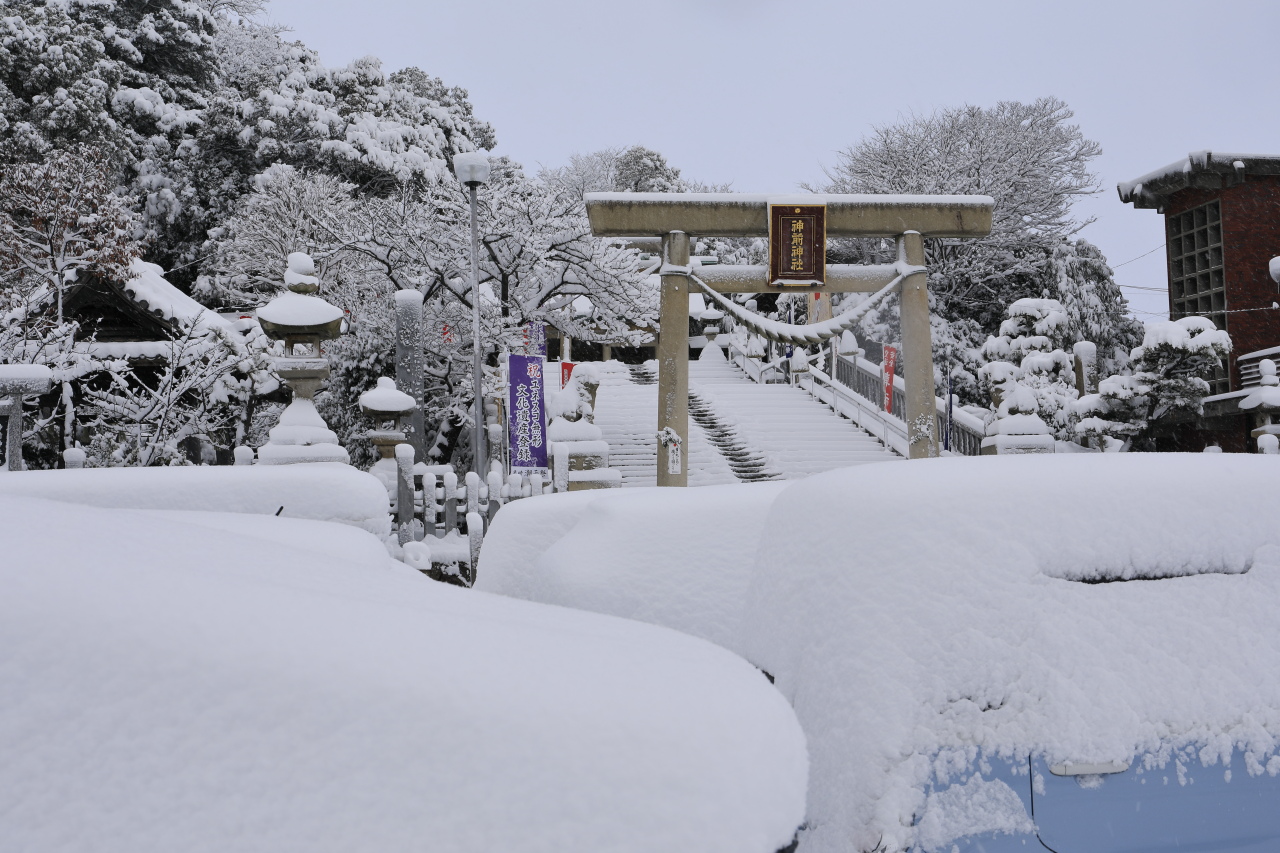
[409, 343]
[495, 498]
[404, 492]
[917, 349]
[473, 492]
[673, 363]
[475, 537]
[429, 506]
[1085, 367]
[11, 411]
[450, 502]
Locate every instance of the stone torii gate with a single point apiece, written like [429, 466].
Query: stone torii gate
[676, 217]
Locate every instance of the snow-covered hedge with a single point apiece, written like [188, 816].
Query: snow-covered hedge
[920, 616]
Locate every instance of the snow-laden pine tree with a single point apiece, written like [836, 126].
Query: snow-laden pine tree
[1077, 275]
[1167, 377]
[1030, 354]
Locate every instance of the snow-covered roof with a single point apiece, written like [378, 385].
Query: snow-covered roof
[150, 289]
[1199, 169]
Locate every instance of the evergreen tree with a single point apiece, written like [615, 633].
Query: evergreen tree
[1167, 377]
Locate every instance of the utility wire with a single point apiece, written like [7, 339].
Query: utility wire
[1140, 257]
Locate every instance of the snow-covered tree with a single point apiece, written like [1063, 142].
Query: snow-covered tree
[1034, 162]
[1077, 276]
[538, 262]
[1028, 367]
[205, 388]
[59, 218]
[1168, 377]
[190, 100]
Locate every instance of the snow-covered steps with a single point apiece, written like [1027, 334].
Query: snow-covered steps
[627, 414]
[746, 462]
[798, 435]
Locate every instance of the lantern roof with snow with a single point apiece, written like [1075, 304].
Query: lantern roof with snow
[385, 400]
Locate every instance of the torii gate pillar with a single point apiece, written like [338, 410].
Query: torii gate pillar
[673, 364]
[917, 345]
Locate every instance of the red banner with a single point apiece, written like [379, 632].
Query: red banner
[566, 370]
[890, 367]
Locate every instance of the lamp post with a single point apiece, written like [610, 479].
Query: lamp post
[472, 169]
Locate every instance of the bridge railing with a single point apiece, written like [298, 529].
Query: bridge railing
[857, 391]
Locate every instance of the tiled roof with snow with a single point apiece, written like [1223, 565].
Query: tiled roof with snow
[150, 289]
[1199, 169]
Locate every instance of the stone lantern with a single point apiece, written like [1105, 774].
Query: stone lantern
[17, 381]
[386, 405]
[1265, 401]
[302, 320]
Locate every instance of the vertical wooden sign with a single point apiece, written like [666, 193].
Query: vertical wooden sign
[797, 245]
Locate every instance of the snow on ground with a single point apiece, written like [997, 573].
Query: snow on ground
[318, 491]
[204, 681]
[919, 616]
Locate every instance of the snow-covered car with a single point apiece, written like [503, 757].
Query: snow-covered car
[1165, 802]
[939, 624]
[215, 678]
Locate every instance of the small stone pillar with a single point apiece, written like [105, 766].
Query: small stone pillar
[1085, 367]
[404, 492]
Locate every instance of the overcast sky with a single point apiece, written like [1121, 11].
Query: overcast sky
[763, 93]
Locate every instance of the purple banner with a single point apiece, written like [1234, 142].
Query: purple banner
[526, 424]
[535, 338]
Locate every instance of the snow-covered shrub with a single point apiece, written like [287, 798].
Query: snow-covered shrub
[1168, 377]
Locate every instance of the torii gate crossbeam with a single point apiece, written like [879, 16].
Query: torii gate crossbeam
[675, 217]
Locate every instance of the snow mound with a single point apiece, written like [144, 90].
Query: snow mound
[210, 682]
[922, 616]
[323, 492]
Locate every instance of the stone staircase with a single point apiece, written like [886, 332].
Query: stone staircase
[795, 433]
[738, 431]
[626, 412]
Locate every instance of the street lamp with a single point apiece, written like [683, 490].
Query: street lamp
[472, 169]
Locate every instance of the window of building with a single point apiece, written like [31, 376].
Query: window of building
[1196, 284]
